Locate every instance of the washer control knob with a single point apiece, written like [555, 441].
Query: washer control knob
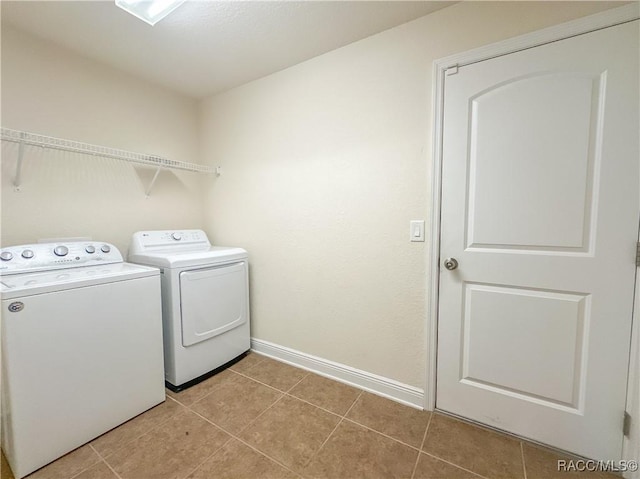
[90, 249]
[6, 256]
[177, 236]
[61, 250]
[27, 254]
[105, 248]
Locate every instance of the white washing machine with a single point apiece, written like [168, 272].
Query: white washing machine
[205, 302]
[81, 347]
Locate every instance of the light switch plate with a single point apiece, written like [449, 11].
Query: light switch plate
[416, 230]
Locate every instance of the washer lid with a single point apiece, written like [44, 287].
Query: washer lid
[27, 284]
[170, 258]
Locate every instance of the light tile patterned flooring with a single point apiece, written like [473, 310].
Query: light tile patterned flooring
[267, 420]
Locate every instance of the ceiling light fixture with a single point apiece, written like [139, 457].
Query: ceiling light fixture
[150, 11]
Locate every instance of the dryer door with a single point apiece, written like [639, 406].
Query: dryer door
[212, 301]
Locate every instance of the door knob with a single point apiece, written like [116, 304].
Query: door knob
[450, 263]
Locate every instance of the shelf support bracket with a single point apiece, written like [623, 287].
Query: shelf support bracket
[18, 178]
[153, 181]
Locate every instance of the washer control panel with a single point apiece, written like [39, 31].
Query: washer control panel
[171, 239]
[48, 256]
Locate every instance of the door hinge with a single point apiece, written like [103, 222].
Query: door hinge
[638, 254]
[626, 424]
[451, 70]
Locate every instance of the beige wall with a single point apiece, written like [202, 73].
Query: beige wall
[324, 164]
[54, 92]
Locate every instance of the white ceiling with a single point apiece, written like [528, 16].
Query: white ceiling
[205, 47]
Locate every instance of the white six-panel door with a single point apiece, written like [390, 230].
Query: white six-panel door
[540, 195]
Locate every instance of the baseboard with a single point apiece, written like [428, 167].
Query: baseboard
[403, 393]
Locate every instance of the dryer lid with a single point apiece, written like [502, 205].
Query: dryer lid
[179, 249]
[170, 258]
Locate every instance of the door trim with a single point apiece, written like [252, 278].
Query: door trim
[587, 24]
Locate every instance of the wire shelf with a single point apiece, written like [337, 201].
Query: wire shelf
[33, 139]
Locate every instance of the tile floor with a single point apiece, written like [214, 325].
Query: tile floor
[264, 419]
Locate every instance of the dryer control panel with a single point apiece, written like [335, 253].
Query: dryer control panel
[49, 256]
[147, 241]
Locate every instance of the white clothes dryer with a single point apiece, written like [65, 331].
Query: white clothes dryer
[81, 347]
[205, 302]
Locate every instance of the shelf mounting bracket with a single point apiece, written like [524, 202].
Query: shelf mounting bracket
[153, 181]
[18, 177]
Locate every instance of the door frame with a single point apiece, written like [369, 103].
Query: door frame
[598, 21]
